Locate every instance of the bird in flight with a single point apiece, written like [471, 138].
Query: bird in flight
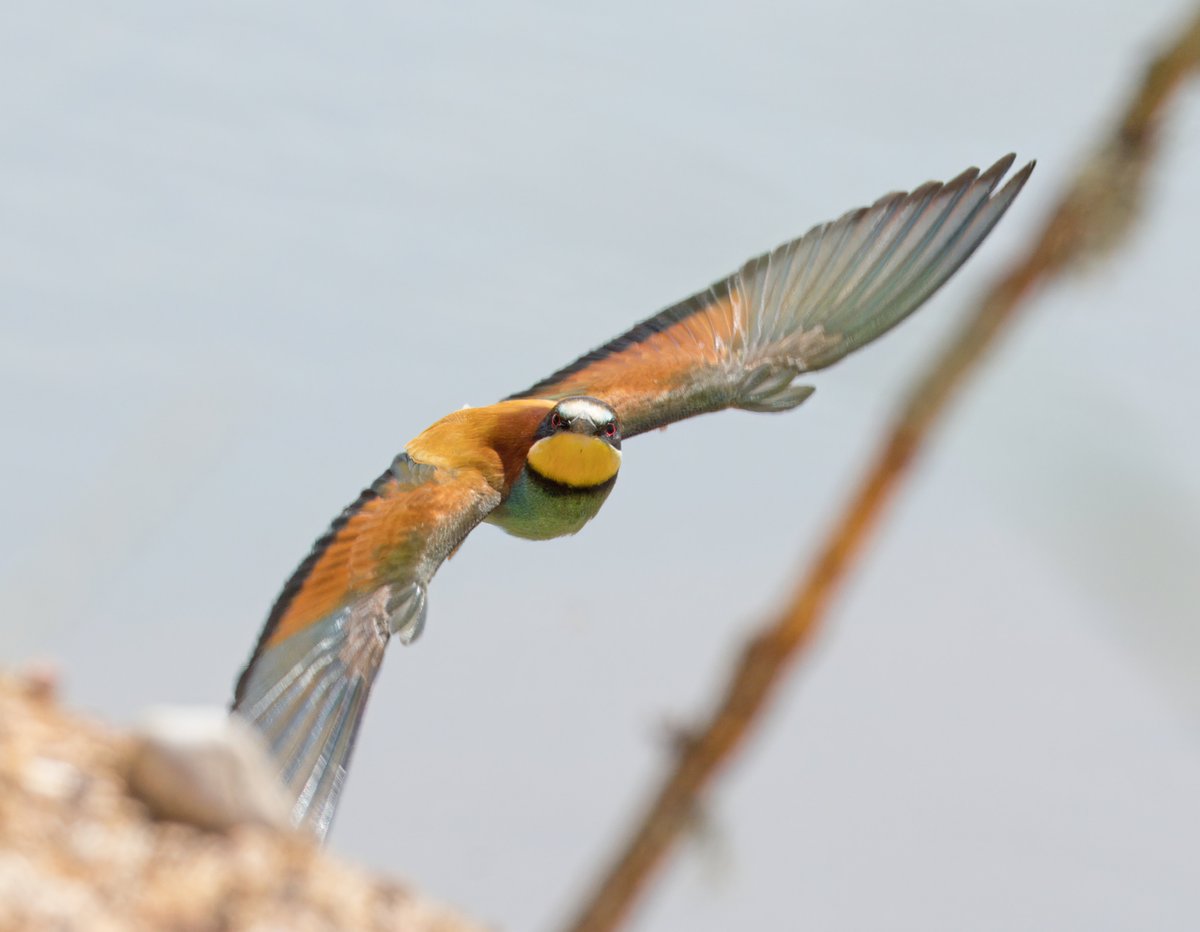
[541, 462]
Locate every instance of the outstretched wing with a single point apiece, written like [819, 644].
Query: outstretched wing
[306, 684]
[802, 307]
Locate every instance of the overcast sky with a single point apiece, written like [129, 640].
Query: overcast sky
[249, 250]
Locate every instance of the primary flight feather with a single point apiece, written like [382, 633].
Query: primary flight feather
[541, 463]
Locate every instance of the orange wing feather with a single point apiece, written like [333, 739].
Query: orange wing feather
[801, 307]
[491, 440]
[307, 682]
[383, 538]
[645, 375]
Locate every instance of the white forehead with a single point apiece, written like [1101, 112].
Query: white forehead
[594, 411]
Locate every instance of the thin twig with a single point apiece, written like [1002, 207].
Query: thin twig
[1092, 218]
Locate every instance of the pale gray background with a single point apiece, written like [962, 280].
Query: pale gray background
[248, 250]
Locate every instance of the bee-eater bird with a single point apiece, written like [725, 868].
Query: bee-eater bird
[541, 463]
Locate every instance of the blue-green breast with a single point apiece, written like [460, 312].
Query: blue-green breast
[539, 509]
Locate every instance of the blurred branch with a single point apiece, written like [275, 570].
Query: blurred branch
[1091, 219]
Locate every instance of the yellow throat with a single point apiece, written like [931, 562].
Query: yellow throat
[573, 459]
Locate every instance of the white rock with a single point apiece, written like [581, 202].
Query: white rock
[201, 766]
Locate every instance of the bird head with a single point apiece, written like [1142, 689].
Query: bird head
[577, 444]
[582, 415]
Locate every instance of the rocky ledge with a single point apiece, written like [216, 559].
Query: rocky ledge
[81, 847]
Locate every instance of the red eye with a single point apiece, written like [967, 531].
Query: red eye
[555, 421]
[610, 430]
